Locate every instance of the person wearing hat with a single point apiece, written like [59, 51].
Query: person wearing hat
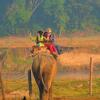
[49, 43]
[50, 35]
[56, 47]
[49, 30]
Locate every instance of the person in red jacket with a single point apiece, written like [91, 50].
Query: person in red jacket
[49, 43]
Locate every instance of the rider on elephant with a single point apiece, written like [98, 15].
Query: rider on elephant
[45, 40]
[50, 42]
[39, 41]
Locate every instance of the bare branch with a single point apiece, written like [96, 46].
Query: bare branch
[36, 5]
[33, 4]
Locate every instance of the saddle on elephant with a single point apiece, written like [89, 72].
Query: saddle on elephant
[36, 50]
[43, 49]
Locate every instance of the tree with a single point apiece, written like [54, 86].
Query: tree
[20, 12]
[55, 8]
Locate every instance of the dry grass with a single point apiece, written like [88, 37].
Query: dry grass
[88, 47]
[12, 41]
[15, 42]
[80, 41]
[75, 59]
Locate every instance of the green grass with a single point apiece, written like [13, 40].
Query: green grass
[61, 88]
[75, 88]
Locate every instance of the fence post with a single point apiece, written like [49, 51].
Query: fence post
[2, 88]
[91, 76]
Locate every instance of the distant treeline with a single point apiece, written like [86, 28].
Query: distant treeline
[63, 16]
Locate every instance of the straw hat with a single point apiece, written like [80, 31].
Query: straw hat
[49, 30]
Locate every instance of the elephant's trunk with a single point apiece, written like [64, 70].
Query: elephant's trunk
[41, 75]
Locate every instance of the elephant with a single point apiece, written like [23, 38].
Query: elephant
[44, 68]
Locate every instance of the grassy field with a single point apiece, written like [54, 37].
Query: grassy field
[78, 59]
[62, 88]
[13, 42]
[79, 41]
[84, 47]
[18, 60]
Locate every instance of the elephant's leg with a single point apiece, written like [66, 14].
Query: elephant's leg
[40, 85]
[45, 95]
[50, 93]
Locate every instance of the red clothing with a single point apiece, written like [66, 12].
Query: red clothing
[51, 47]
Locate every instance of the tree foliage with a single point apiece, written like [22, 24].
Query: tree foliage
[61, 15]
[56, 9]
